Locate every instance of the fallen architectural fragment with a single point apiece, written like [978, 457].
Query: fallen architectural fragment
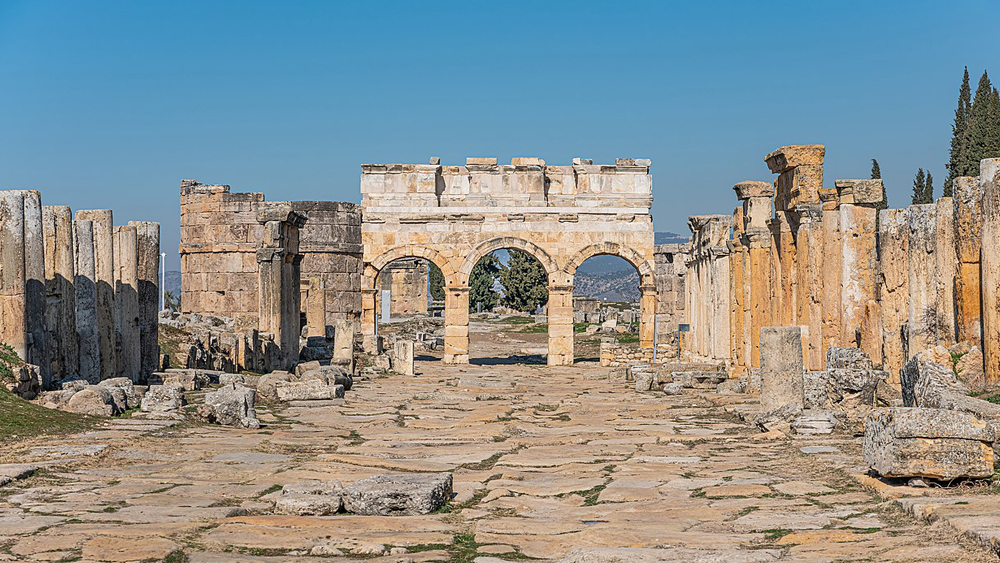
[935, 443]
[398, 494]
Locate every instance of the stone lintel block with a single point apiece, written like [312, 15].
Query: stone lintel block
[789, 157]
[435, 161]
[527, 161]
[583, 161]
[798, 185]
[481, 161]
[749, 189]
[632, 162]
[281, 212]
[860, 192]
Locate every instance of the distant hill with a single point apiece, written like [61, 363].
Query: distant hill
[173, 282]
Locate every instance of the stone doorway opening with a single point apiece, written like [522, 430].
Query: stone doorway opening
[607, 306]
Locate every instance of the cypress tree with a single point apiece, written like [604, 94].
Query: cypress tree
[919, 187]
[481, 279]
[876, 171]
[929, 189]
[435, 282]
[982, 118]
[524, 282]
[958, 129]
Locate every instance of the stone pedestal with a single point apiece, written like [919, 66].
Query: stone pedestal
[456, 325]
[781, 369]
[343, 343]
[369, 320]
[402, 357]
[560, 313]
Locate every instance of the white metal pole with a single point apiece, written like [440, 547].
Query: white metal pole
[163, 280]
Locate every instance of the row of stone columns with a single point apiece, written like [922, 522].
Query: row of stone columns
[72, 300]
[708, 288]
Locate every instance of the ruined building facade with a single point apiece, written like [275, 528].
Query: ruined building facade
[893, 282]
[220, 239]
[455, 215]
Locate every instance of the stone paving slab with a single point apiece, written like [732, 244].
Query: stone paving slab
[564, 462]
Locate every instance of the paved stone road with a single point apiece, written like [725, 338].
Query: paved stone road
[546, 460]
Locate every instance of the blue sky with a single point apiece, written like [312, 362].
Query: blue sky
[111, 104]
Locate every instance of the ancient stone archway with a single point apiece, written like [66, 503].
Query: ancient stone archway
[561, 215]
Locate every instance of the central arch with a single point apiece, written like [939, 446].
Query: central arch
[492, 245]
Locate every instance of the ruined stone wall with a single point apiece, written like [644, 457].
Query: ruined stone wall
[671, 297]
[220, 237]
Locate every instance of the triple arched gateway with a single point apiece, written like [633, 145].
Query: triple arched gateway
[561, 215]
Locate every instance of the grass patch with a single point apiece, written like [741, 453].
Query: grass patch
[519, 320]
[176, 556]
[627, 338]
[487, 463]
[535, 328]
[20, 419]
[774, 534]
[581, 327]
[269, 490]
[171, 339]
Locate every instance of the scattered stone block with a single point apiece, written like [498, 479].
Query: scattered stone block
[267, 385]
[398, 494]
[14, 471]
[673, 388]
[163, 401]
[924, 442]
[231, 405]
[308, 390]
[402, 357]
[92, 400]
[815, 422]
[310, 498]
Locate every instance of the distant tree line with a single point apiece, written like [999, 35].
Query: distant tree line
[523, 279]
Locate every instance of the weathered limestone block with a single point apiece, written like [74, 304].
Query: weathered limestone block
[785, 158]
[922, 442]
[163, 401]
[945, 260]
[406, 494]
[929, 384]
[310, 498]
[751, 189]
[989, 178]
[22, 277]
[801, 175]
[104, 280]
[92, 400]
[781, 367]
[267, 385]
[60, 273]
[85, 293]
[343, 344]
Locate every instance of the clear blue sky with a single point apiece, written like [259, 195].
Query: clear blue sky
[111, 104]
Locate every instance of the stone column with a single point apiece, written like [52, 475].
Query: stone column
[756, 238]
[738, 342]
[809, 279]
[786, 253]
[781, 373]
[456, 325]
[922, 265]
[403, 357]
[858, 263]
[127, 340]
[989, 178]
[316, 307]
[968, 224]
[104, 268]
[34, 280]
[14, 328]
[893, 287]
[60, 311]
[85, 286]
[343, 343]
[148, 246]
[647, 316]
[279, 270]
[832, 271]
[719, 303]
[369, 320]
[560, 313]
[945, 269]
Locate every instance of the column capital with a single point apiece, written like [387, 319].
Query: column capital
[647, 288]
[561, 287]
[457, 288]
[270, 254]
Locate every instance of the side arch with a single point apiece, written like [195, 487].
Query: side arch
[646, 272]
[484, 248]
[376, 265]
